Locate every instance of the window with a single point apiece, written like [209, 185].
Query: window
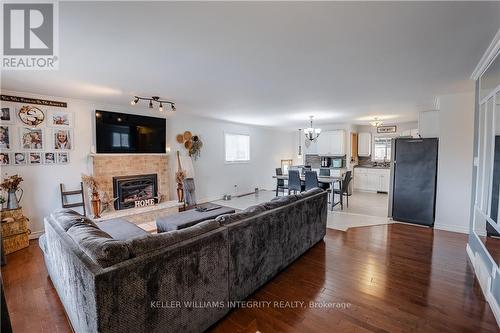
[382, 149]
[120, 139]
[237, 147]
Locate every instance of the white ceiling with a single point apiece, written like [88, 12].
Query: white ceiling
[268, 63]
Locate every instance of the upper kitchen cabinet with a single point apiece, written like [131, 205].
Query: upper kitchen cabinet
[364, 144]
[428, 124]
[331, 143]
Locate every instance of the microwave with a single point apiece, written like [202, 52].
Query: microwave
[336, 163]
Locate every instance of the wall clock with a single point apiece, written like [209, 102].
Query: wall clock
[31, 115]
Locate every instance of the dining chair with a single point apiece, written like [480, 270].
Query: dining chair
[325, 186]
[344, 190]
[280, 183]
[311, 180]
[294, 183]
[305, 168]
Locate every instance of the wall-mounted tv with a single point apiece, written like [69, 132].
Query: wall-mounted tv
[129, 133]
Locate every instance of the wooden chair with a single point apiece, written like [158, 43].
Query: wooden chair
[65, 194]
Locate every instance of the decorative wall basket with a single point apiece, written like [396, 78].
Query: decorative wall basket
[192, 143]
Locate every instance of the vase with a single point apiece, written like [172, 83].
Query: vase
[96, 205]
[13, 200]
[180, 193]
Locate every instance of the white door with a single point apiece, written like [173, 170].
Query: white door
[364, 144]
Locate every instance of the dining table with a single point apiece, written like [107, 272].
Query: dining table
[326, 180]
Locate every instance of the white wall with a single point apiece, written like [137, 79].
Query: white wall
[41, 182]
[455, 157]
[214, 177]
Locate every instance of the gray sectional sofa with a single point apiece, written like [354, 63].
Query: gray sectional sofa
[178, 281]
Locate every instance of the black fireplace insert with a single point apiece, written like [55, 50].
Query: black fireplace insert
[135, 191]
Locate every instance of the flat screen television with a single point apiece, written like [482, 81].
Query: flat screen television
[129, 133]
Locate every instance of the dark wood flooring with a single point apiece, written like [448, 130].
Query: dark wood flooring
[389, 278]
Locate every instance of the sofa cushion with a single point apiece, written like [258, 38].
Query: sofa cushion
[121, 229]
[279, 201]
[249, 212]
[309, 193]
[147, 243]
[99, 245]
[66, 218]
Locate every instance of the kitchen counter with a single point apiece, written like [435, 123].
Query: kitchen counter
[372, 167]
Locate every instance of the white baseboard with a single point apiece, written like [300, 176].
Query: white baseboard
[452, 228]
[36, 234]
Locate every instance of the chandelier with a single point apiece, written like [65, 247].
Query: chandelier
[312, 133]
[152, 99]
[376, 122]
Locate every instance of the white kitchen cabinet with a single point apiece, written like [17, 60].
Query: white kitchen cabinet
[331, 143]
[372, 179]
[364, 144]
[428, 124]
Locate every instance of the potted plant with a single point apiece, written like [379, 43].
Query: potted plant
[11, 186]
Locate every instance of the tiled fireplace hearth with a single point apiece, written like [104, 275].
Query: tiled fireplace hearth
[107, 166]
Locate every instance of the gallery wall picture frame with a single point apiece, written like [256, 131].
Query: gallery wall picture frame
[31, 115]
[5, 159]
[6, 137]
[60, 119]
[49, 158]
[34, 158]
[62, 139]
[20, 158]
[62, 157]
[7, 114]
[32, 138]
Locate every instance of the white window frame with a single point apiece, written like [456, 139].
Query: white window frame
[249, 148]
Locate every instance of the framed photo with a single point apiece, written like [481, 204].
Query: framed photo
[20, 159]
[62, 139]
[7, 114]
[49, 158]
[62, 157]
[31, 115]
[5, 137]
[386, 129]
[32, 138]
[60, 119]
[4, 159]
[35, 158]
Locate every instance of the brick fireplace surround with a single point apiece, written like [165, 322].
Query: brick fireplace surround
[107, 166]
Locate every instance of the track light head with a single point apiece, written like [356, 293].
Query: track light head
[161, 107]
[134, 102]
[173, 107]
[150, 104]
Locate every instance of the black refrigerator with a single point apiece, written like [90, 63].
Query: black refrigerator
[412, 195]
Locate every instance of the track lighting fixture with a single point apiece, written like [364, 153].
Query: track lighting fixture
[152, 99]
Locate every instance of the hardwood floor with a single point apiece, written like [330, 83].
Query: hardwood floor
[388, 278]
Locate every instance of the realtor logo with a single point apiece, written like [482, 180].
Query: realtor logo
[29, 36]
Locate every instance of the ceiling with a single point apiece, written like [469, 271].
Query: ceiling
[271, 64]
